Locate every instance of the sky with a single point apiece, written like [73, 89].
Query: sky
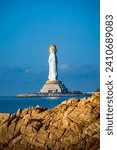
[29, 27]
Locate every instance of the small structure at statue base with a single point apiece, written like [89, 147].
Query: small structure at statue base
[53, 85]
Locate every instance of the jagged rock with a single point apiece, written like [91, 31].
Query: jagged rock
[73, 124]
[19, 111]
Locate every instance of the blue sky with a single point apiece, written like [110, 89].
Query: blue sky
[29, 27]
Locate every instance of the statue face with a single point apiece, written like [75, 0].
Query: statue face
[52, 51]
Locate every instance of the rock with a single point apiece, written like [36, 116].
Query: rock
[3, 118]
[19, 111]
[73, 124]
[72, 100]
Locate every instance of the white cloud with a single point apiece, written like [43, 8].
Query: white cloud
[28, 70]
[64, 67]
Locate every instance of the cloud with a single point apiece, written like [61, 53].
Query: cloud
[20, 80]
[28, 70]
[64, 67]
[81, 77]
[27, 80]
[78, 70]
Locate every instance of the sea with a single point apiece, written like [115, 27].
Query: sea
[10, 104]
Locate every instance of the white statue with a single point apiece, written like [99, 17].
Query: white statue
[52, 63]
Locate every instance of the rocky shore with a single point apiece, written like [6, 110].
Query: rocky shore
[72, 125]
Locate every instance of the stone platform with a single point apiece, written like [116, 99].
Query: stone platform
[54, 87]
[50, 95]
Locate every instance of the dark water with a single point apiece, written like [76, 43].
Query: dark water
[11, 104]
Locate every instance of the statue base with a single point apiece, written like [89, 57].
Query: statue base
[54, 86]
[53, 82]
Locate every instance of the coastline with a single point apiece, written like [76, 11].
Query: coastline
[50, 95]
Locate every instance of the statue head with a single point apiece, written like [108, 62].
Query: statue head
[52, 48]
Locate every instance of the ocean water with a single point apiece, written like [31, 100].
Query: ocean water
[10, 104]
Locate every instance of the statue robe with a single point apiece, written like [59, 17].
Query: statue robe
[52, 67]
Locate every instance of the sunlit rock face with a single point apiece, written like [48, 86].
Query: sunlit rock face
[72, 125]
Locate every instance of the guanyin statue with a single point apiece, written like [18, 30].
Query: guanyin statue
[52, 63]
